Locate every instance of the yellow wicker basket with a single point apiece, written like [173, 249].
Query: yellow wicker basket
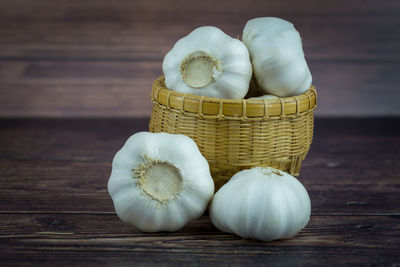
[236, 134]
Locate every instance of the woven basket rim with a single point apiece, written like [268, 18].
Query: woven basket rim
[232, 108]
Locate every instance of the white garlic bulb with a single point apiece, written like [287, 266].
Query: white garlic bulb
[160, 181]
[277, 56]
[208, 62]
[265, 97]
[261, 203]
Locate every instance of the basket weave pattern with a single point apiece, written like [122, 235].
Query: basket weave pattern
[236, 134]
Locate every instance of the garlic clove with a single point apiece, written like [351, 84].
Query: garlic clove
[261, 203]
[277, 56]
[208, 62]
[160, 181]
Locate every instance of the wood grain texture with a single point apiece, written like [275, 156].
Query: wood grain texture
[101, 239]
[98, 59]
[55, 209]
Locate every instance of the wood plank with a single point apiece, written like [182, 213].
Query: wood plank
[54, 208]
[81, 239]
[98, 59]
[333, 38]
[107, 225]
[360, 29]
[64, 165]
[119, 9]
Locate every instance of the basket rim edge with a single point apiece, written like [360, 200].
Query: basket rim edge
[308, 101]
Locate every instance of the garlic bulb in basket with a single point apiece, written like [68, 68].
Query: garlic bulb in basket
[208, 62]
[261, 203]
[160, 181]
[264, 97]
[277, 56]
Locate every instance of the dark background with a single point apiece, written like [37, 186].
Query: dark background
[99, 58]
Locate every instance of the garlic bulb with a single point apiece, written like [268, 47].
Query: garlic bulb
[208, 62]
[265, 97]
[261, 203]
[160, 181]
[277, 56]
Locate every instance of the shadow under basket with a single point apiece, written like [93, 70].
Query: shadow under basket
[237, 134]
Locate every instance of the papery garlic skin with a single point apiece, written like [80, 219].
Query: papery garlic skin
[208, 62]
[277, 56]
[160, 181]
[262, 203]
[264, 97]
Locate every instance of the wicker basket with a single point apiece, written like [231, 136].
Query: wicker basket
[236, 134]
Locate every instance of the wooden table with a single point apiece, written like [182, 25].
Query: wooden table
[55, 209]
